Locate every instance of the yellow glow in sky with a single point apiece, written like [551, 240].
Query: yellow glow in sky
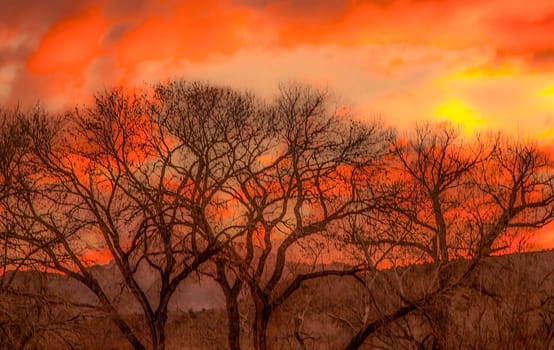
[456, 111]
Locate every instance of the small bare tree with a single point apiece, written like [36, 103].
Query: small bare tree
[29, 313]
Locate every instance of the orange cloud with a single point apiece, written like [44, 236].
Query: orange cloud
[69, 45]
[511, 28]
[192, 30]
[370, 22]
[119, 41]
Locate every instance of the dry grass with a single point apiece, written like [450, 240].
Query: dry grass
[508, 304]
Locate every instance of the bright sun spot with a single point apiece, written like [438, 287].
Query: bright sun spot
[549, 91]
[459, 113]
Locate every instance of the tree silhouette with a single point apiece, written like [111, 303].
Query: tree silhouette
[457, 200]
[178, 179]
[139, 176]
[312, 175]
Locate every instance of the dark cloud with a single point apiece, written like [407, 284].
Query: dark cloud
[313, 4]
[17, 53]
[38, 13]
[130, 13]
[137, 9]
[254, 3]
[124, 7]
[300, 7]
[543, 60]
[25, 89]
[29, 20]
[115, 33]
[545, 55]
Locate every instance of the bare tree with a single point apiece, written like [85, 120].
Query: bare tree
[433, 174]
[29, 313]
[140, 177]
[459, 200]
[311, 175]
[12, 150]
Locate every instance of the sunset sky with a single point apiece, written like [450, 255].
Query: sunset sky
[484, 64]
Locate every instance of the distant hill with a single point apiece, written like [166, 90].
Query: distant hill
[195, 294]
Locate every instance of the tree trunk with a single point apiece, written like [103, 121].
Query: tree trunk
[261, 321]
[233, 318]
[159, 327]
[232, 305]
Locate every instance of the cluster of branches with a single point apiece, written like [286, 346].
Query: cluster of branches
[184, 178]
